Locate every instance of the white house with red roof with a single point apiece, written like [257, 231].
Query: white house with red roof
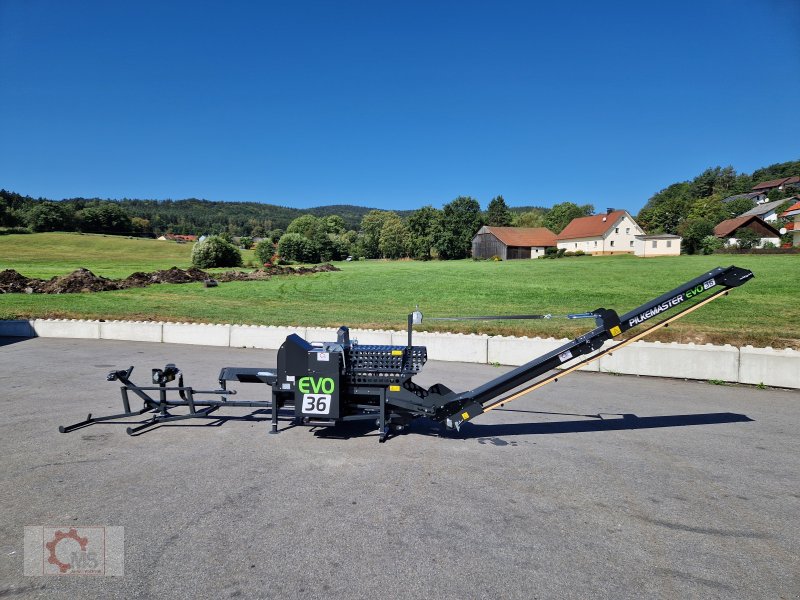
[612, 233]
[793, 226]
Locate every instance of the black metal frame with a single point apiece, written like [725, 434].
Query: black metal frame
[187, 397]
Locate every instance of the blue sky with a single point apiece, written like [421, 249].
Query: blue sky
[392, 105]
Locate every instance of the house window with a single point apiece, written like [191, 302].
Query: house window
[612, 243]
[669, 243]
[595, 243]
[655, 244]
[631, 243]
[616, 230]
[576, 244]
[627, 230]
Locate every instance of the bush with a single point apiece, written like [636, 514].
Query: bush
[711, 244]
[215, 252]
[293, 246]
[10, 230]
[245, 242]
[265, 250]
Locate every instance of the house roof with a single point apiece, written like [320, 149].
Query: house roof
[749, 196]
[792, 210]
[768, 185]
[729, 226]
[589, 227]
[763, 209]
[522, 236]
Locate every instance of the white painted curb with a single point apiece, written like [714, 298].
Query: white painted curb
[778, 368]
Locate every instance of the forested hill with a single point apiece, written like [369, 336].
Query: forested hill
[678, 206]
[192, 215]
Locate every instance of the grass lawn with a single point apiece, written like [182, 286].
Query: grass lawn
[379, 294]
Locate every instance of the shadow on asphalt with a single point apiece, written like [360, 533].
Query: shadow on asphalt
[594, 423]
[7, 341]
[626, 421]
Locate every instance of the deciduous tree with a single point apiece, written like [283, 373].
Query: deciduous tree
[458, 224]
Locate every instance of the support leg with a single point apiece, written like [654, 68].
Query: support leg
[384, 430]
[274, 428]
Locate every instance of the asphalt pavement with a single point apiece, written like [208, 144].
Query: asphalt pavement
[598, 486]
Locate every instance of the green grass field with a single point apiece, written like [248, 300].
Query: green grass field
[379, 294]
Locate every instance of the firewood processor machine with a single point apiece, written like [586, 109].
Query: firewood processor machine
[327, 383]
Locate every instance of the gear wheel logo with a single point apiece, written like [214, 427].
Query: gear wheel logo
[60, 536]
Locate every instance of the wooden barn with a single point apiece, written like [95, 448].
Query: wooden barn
[512, 242]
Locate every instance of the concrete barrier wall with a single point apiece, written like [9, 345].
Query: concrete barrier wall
[199, 334]
[134, 331]
[779, 368]
[262, 336]
[674, 360]
[66, 328]
[454, 347]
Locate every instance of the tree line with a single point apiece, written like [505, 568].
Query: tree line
[689, 208]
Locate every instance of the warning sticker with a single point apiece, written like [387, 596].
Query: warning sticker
[615, 331]
[323, 356]
[565, 356]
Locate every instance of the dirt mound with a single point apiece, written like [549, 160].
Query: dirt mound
[173, 275]
[12, 282]
[282, 270]
[80, 280]
[83, 280]
[176, 275]
[238, 276]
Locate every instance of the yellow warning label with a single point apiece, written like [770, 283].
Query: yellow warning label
[615, 330]
[397, 353]
[394, 388]
[465, 415]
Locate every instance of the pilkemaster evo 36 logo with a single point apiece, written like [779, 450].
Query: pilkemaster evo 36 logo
[674, 301]
[317, 393]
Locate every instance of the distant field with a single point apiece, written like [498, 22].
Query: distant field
[765, 311]
[45, 255]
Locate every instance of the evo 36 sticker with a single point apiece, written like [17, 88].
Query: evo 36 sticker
[316, 404]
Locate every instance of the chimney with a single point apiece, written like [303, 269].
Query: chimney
[609, 211]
